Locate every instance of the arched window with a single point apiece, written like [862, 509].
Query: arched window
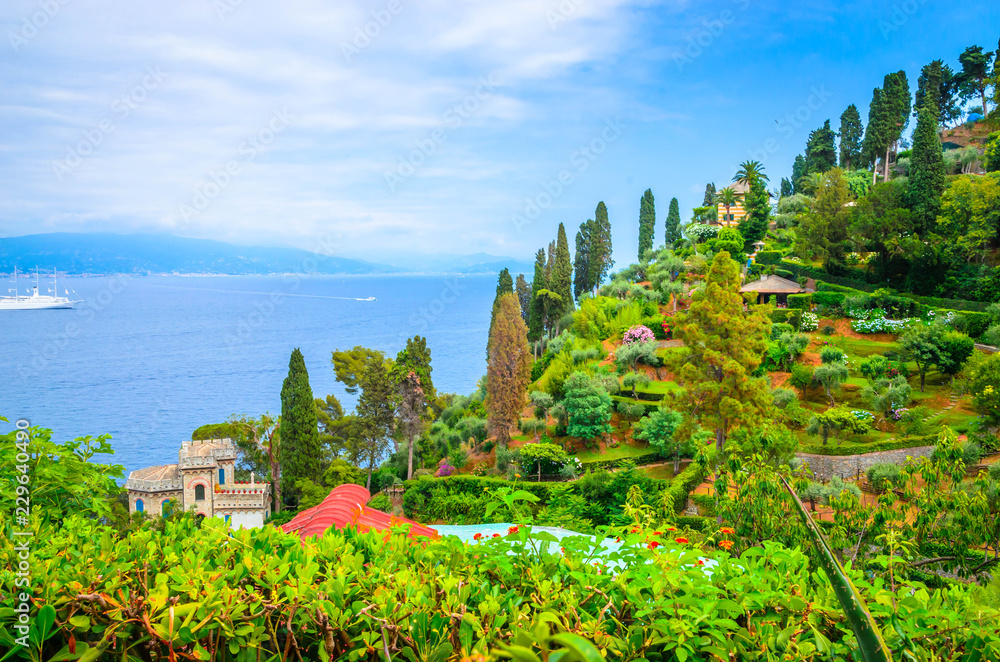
[199, 492]
[139, 505]
[222, 476]
[166, 507]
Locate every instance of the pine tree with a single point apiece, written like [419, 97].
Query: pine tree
[647, 223]
[536, 314]
[974, 77]
[376, 410]
[508, 371]
[600, 246]
[581, 260]
[798, 172]
[939, 83]
[709, 195]
[299, 453]
[562, 274]
[821, 153]
[727, 343]
[672, 234]
[504, 286]
[523, 292]
[926, 181]
[851, 134]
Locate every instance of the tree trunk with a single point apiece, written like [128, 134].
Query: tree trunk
[829, 395]
[826, 436]
[677, 464]
[923, 376]
[409, 463]
[539, 471]
[885, 176]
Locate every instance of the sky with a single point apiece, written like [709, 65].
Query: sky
[387, 127]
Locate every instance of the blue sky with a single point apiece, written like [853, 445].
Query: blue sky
[383, 127]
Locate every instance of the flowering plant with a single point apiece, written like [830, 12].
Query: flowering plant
[896, 413]
[445, 470]
[809, 322]
[862, 415]
[637, 334]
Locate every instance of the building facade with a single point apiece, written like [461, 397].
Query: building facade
[202, 481]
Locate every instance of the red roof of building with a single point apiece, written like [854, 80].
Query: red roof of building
[345, 506]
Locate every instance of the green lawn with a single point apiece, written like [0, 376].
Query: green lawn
[657, 387]
[662, 472]
[622, 451]
[858, 347]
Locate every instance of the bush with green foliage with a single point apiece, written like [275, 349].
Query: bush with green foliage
[380, 502]
[800, 301]
[884, 476]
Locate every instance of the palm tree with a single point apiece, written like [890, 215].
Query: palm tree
[727, 198]
[750, 171]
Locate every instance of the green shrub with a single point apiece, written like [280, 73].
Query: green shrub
[992, 336]
[884, 476]
[768, 257]
[800, 301]
[832, 299]
[827, 330]
[682, 484]
[380, 502]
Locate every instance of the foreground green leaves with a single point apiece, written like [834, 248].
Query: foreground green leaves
[208, 593]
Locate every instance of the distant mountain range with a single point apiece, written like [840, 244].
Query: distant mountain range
[107, 253]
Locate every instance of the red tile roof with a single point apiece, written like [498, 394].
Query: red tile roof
[345, 506]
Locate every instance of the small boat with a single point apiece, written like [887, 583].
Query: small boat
[36, 301]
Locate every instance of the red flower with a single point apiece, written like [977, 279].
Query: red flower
[670, 528]
[726, 529]
[681, 540]
[496, 535]
[700, 562]
[725, 544]
[512, 530]
[657, 533]
[635, 530]
[654, 544]
[617, 539]
[477, 536]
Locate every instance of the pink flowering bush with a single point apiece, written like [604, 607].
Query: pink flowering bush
[445, 470]
[638, 333]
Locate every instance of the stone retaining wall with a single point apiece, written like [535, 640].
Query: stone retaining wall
[851, 467]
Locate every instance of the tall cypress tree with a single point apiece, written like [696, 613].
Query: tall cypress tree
[562, 274]
[550, 262]
[709, 195]
[926, 181]
[786, 188]
[851, 133]
[798, 172]
[299, 453]
[821, 154]
[600, 246]
[877, 133]
[937, 82]
[647, 222]
[536, 312]
[581, 260]
[672, 234]
[523, 292]
[505, 285]
[757, 203]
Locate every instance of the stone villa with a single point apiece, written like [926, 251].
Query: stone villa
[202, 481]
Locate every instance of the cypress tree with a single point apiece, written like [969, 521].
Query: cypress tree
[821, 154]
[299, 452]
[562, 274]
[926, 182]
[936, 82]
[581, 260]
[798, 171]
[709, 195]
[508, 371]
[877, 134]
[851, 133]
[786, 187]
[600, 246]
[523, 292]
[550, 262]
[672, 234]
[536, 313]
[757, 203]
[647, 223]
[505, 285]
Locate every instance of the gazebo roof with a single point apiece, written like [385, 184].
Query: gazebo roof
[773, 285]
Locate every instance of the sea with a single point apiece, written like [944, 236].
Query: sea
[149, 359]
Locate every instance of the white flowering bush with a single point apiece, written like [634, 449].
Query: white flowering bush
[809, 322]
[874, 321]
[862, 415]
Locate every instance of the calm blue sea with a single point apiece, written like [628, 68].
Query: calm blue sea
[148, 359]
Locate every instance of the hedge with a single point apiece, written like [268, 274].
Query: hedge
[696, 523]
[834, 299]
[682, 484]
[800, 301]
[655, 324]
[875, 447]
[459, 499]
[768, 257]
[820, 274]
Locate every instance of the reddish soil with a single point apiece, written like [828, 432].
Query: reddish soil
[810, 358]
[779, 379]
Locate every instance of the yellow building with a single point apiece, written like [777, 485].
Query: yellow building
[736, 212]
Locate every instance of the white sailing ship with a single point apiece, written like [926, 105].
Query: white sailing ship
[36, 301]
